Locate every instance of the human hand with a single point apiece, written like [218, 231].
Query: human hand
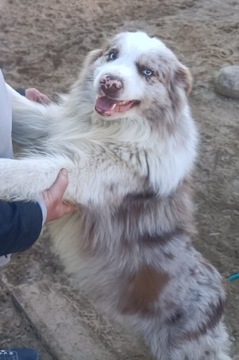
[56, 208]
[35, 95]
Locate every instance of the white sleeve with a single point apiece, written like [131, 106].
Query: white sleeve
[5, 121]
[44, 211]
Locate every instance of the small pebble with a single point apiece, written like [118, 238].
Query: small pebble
[227, 81]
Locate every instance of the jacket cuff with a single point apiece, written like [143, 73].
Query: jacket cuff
[21, 91]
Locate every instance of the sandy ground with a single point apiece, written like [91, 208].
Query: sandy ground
[42, 44]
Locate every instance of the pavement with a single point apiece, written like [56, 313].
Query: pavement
[42, 308]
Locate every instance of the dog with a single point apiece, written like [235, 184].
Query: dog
[126, 135]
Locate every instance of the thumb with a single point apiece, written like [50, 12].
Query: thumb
[58, 188]
[68, 208]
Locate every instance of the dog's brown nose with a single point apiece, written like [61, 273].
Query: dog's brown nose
[110, 85]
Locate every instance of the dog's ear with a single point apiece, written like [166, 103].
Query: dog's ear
[93, 56]
[88, 67]
[184, 78]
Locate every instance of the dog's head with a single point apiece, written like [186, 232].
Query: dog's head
[137, 73]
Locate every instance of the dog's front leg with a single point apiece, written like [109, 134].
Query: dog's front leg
[30, 119]
[26, 179]
[91, 184]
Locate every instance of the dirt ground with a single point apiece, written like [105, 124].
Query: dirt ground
[42, 44]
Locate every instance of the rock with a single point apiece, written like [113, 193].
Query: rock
[227, 81]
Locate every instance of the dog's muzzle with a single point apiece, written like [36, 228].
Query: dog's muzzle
[107, 102]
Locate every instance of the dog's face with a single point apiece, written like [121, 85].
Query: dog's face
[136, 73]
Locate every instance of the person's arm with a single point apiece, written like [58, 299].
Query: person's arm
[34, 95]
[21, 222]
[20, 225]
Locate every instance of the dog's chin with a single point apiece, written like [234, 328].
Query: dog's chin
[107, 107]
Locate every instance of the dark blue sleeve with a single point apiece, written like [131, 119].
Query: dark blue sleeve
[20, 225]
[21, 91]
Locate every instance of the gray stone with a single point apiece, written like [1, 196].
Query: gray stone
[67, 326]
[227, 81]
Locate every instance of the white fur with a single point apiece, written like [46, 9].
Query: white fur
[148, 150]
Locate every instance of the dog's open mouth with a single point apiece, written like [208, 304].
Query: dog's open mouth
[108, 106]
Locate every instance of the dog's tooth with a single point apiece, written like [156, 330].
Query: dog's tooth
[113, 107]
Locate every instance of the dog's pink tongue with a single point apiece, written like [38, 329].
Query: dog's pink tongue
[105, 105]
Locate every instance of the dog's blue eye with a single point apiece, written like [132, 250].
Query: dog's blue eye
[112, 56]
[147, 72]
